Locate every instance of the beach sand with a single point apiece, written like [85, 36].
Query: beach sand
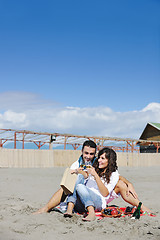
[23, 191]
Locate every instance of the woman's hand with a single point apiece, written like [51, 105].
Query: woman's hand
[91, 170]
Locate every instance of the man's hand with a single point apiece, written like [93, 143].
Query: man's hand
[131, 190]
[80, 170]
[76, 171]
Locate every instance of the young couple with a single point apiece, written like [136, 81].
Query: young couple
[95, 187]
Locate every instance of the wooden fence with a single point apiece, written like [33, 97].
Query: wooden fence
[28, 158]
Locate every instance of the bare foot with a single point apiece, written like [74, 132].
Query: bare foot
[90, 217]
[41, 210]
[69, 212]
[145, 209]
[67, 215]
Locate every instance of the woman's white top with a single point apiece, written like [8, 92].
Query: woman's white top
[92, 184]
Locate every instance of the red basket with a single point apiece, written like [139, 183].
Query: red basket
[112, 215]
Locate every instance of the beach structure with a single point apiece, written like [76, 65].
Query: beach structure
[151, 133]
[62, 149]
[149, 137]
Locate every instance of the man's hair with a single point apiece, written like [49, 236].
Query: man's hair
[89, 143]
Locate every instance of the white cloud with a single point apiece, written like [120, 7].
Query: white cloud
[10, 119]
[154, 107]
[34, 113]
[14, 117]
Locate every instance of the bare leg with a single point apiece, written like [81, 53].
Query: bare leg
[53, 202]
[69, 211]
[91, 214]
[121, 188]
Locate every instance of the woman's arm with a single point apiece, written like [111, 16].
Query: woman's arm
[102, 188]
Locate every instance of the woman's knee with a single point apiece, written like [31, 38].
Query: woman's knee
[120, 185]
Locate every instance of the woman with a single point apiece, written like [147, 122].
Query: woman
[98, 186]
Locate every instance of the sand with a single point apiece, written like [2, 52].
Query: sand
[23, 191]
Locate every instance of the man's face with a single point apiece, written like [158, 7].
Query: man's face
[88, 153]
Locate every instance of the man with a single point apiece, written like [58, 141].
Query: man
[88, 155]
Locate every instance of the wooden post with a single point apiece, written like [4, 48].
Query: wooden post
[23, 142]
[15, 140]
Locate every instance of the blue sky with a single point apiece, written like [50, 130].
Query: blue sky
[69, 62]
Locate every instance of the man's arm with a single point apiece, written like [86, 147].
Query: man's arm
[80, 171]
[130, 187]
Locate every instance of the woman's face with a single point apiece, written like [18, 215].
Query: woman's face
[103, 161]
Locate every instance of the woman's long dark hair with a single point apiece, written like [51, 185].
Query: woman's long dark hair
[105, 173]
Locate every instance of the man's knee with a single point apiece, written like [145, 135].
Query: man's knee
[79, 187]
[80, 179]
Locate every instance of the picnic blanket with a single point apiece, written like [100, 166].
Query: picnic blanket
[100, 216]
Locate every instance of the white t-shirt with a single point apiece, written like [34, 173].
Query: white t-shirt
[92, 184]
[74, 165]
